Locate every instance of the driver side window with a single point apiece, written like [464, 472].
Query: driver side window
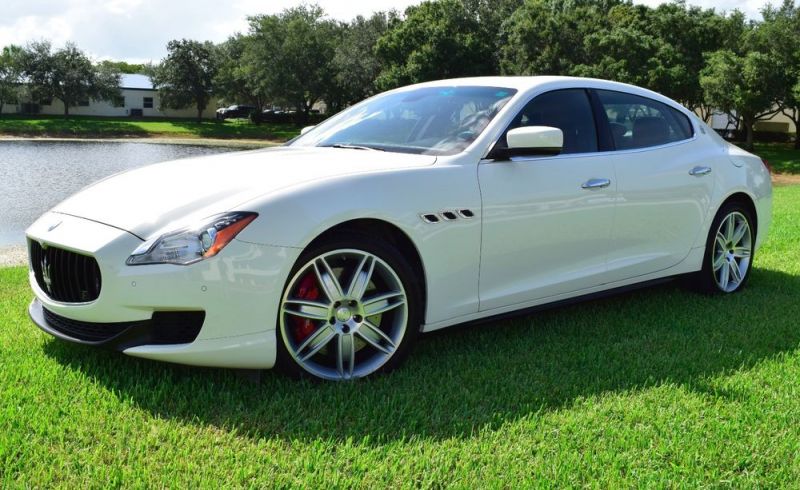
[568, 110]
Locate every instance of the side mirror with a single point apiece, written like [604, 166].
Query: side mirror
[530, 141]
[306, 129]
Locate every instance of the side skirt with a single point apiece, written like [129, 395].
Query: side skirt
[566, 302]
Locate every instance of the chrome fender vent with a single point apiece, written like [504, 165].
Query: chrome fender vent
[447, 215]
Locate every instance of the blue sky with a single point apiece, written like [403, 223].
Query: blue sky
[138, 30]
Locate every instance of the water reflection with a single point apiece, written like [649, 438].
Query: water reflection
[37, 175]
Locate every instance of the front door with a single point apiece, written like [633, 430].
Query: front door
[547, 220]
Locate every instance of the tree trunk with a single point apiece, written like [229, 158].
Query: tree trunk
[705, 113]
[300, 117]
[199, 113]
[796, 135]
[748, 143]
[66, 110]
[794, 115]
[1, 108]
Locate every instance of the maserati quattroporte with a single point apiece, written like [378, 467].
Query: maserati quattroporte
[420, 208]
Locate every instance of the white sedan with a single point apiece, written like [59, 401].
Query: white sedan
[420, 208]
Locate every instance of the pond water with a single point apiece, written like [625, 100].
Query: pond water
[37, 175]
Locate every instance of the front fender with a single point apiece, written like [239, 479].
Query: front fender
[449, 250]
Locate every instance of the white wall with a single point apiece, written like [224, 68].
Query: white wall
[778, 122]
[9, 109]
[134, 99]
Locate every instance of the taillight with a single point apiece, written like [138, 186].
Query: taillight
[766, 165]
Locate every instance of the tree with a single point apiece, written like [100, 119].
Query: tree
[67, 75]
[235, 81]
[747, 85]
[289, 54]
[686, 35]
[491, 16]
[779, 35]
[625, 50]
[185, 77]
[547, 37]
[437, 39]
[124, 67]
[10, 75]
[355, 65]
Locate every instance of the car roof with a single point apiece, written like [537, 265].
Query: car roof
[527, 84]
[516, 82]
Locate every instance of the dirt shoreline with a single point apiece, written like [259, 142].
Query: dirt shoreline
[13, 255]
[217, 142]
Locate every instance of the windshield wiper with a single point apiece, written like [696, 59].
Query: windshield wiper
[352, 147]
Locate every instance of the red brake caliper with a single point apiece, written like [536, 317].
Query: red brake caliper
[303, 327]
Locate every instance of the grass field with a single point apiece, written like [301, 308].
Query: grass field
[783, 158]
[105, 127]
[661, 387]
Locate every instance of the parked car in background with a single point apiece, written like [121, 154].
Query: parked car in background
[418, 209]
[278, 116]
[235, 111]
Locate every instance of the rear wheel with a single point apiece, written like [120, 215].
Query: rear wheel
[351, 308]
[729, 250]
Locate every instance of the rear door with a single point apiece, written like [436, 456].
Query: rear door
[664, 184]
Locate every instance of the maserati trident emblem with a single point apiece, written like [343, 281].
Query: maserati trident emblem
[48, 282]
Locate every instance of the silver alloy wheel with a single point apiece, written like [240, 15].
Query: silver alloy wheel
[356, 319]
[733, 247]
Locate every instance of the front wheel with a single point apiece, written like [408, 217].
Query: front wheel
[729, 250]
[351, 308]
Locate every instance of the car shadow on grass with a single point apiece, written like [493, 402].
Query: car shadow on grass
[463, 380]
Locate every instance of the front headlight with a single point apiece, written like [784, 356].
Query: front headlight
[189, 245]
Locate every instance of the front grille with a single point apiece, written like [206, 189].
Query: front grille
[87, 331]
[65, 276]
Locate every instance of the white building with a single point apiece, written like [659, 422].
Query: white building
[778, 123]
[139, 99]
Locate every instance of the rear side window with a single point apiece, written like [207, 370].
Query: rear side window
[639, 122]
[568, 110]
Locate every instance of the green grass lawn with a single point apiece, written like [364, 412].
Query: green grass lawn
[782, 157]
[104, 127]
[660, 387]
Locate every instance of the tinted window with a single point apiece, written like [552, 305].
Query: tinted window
[568, 110]
[637, 122]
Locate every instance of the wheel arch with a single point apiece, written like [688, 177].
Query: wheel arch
[745, 200]
[390, 232]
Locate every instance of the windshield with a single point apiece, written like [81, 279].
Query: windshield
[425, 121]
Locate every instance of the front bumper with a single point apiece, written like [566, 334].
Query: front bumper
[164, 328]
[239, 290]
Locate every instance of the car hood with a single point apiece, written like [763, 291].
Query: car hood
[180, 192]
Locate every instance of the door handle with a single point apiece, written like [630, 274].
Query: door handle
[596, 184]
[700, 171]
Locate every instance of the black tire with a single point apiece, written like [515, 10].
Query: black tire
[357, 240]
[705, 280]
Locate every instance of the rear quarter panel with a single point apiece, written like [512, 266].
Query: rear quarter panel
[745, 173]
